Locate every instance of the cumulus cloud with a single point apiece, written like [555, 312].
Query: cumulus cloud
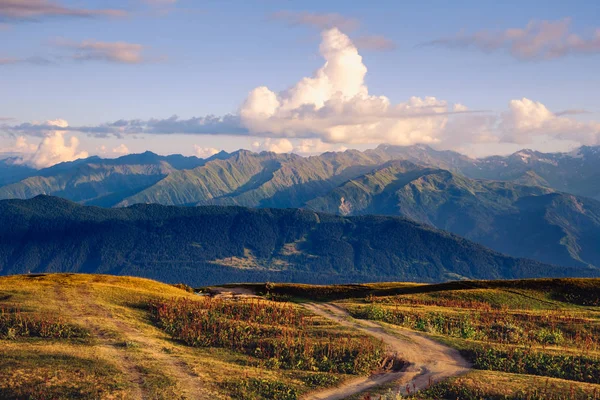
[116, 52]
[21, 146]
[316, 146]
[204, 152]
[538, 40]
[54, 148]
[303, 146]
[526, 119]
[273, 145]
[335, 105]
[32, 10]
[121, 149]
[118, 151]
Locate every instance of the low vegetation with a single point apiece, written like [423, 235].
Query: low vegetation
[70, 336]
[15, 324]
[542, 335]
[280, 335]
[67, 336]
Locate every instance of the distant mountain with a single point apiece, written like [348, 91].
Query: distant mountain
[515, 204]
[523, 221]
[11, 172]
[280, 180]
[96, 181]
[258, 179]
[577, 172]
[206, 245]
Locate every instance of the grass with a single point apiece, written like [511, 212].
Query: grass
[122, 353]
[515, 294]
[536, 339]
[15, 324]
[491, 385]
[54, 375]
[498, 385]
[96, 336]
[281, 335]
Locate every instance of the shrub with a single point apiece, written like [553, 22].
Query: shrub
[279, 334]
[14, 324]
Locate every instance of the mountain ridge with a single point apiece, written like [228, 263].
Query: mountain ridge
[215, 244]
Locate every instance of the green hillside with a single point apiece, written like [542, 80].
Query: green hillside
[523, 221]
[516, 210]
[202, 245]
[96, 181]
[258, 180]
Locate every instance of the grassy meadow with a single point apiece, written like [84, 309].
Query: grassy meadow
[68, 336]
[534, 339]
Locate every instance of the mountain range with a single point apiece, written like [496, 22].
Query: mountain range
[542, 206]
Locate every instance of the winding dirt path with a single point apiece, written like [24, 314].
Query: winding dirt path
[430, 361]
[102, 322]
[83, 313]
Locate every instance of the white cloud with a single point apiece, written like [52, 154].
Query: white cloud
[303, 146]
[54, 148]
[316, 146]
[335, 106]
[121, 149]
[273, 145]
[526, 119]
[21, 146]
[204, 152]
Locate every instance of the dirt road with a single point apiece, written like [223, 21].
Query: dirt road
[150, 349]
[429, 361]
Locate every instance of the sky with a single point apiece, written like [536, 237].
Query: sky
[91, 77]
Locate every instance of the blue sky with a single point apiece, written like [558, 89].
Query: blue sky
[203, 58]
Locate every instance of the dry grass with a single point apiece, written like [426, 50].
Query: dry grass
[126, 355]
[550, 329]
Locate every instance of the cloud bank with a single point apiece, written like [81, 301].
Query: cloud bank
[33, 10]
[116, 52]
[325, 21]
[317, 20]
[538, 40]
